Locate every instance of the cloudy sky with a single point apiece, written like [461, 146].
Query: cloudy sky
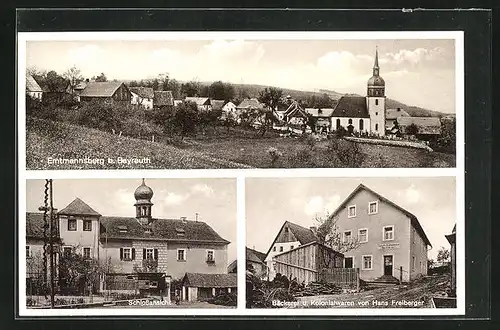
[213, 199]
[270, 202]
[417, 72]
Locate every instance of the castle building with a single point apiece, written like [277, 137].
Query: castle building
[363, 114]
[142, 253]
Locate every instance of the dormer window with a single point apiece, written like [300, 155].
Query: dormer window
[123, 229]
[180, 231]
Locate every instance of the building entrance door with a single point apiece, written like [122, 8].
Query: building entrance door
[348, 262]
[388, 261]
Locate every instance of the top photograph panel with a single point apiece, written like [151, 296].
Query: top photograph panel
[239, 100]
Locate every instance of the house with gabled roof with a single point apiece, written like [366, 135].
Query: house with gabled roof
[389, 242]
[289, 237]
[426, 127]
[137, 249]
[142, 96]
[33, 89]
[391, 115]
[202, 103]
[109, 91]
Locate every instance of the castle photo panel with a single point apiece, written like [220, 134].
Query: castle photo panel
[128, 243]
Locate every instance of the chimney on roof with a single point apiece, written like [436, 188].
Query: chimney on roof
[196, 216]
[314, 229]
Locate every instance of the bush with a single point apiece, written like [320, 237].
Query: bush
[302, 158]
[275, 154]
[348, 153]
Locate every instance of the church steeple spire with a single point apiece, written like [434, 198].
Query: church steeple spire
[376, 68]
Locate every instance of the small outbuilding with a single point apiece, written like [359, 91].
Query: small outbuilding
[202, 287]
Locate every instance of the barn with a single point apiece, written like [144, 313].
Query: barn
[200, 287]
[114, 91]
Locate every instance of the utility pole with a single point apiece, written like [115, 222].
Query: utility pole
[51, 242]
[48, 247]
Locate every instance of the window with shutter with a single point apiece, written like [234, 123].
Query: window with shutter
[133, 254]
[121, 253]
[156, 254]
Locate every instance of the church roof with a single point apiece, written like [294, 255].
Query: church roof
[78, 207]
[351, 106]
[161, 229]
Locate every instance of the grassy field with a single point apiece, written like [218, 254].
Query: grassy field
[59, 140]
[215, 149]
[251, 149]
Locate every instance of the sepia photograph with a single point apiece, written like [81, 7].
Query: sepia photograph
[129, 243]
[231, 101]
[352, 243]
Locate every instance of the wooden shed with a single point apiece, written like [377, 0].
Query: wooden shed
[305, 262]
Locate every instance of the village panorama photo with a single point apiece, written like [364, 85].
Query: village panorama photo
[359, 243]
[233, 101]
[128, 243]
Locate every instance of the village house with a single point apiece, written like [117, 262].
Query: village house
[77, 90]
[288, 238]
[295, 115]
[391, 115]
[427, 128]
[322, 118]
[163, 99]
[33, 89]
[248, 105]
[202, 103]
[389, 242]
[142, 96]
[142, 252]
[452, 239]
[109, 91]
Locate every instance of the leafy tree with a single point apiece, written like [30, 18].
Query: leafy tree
[443, 255]
[221, 91]
[100, 78]
[74, 76]
[186, 118]
[448, 139]
[54, 82]
[412, 129]
[271, 97]
[191, 88]
[174, 86]
[329, 234]
[78, 274]
[228, 120]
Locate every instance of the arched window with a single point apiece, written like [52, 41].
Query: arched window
[361, 125]
[350, 121]
[376, 127]
[376, 101]
[338, 123]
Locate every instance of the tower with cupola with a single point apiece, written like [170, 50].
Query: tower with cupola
[143, 205]
[375, 100]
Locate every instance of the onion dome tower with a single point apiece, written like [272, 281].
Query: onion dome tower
[376, 84]
[143, 205]
[375, 100]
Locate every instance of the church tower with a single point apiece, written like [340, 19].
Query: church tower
[143, 205]
[375, 100]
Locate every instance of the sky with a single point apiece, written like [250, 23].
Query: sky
[270, 202]
[417, 72]
[213, 199]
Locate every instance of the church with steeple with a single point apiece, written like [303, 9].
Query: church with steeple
[363, 114]
[141, 252]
